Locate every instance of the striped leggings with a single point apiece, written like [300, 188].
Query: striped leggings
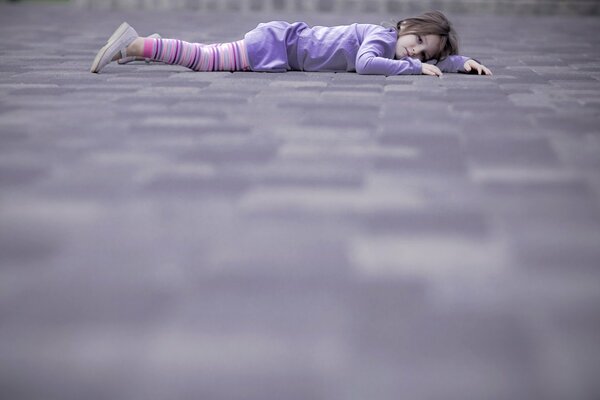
[197, 56]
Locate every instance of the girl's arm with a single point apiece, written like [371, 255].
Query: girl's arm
[370, 64]
[452, 64]
[462, 64]
[371, 60]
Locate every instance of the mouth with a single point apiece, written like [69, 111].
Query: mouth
[407, 52]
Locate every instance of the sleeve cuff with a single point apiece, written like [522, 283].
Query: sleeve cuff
[416, 67]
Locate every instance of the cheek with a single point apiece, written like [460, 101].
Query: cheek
[407, 41]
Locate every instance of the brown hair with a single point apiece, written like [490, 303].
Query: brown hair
[431, 23]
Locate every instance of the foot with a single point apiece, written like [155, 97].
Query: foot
[119, 42]
[128, 59]
[135, 49]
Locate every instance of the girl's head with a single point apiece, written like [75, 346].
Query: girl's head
[428, 36]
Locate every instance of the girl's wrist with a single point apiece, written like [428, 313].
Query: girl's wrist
[416, 66]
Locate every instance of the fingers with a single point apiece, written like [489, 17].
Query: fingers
[428, 69]
[482, 69]
[432, 73]
[472, 66]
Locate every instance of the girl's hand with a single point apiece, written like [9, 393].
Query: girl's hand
[472, 65]
[428, 69]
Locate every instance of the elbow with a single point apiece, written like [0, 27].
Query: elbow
[362, 67]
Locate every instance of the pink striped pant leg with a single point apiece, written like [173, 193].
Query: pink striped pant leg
[198, 56]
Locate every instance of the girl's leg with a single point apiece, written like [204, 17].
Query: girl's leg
[196, 56]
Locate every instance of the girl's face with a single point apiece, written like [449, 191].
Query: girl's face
[422, 47]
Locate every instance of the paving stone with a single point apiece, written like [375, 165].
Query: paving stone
[426, 256]
[471, 373]
[354, 200]
[574, 125]
[581, 254]
[21, 174]
[559, 188]
[456, 222]
[231, 153]
[429, 159]
[533, 152]
[26, 245]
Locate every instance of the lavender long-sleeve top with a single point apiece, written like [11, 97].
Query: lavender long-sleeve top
[279, 46]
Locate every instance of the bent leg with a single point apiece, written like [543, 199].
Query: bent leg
[197, 56]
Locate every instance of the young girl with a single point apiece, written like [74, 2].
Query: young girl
[426, 44]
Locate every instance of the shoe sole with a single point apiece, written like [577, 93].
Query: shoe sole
[117, 34]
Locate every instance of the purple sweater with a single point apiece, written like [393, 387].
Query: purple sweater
[279, 46]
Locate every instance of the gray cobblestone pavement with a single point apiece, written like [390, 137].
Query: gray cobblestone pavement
[499, 7]
[171, 234]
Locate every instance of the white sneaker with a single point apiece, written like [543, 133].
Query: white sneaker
[118, 42]
[127, 60]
